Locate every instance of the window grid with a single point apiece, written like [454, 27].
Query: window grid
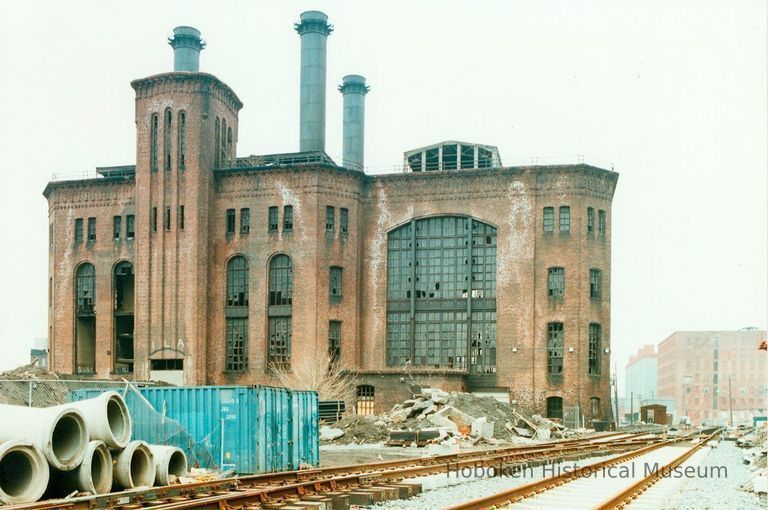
[91, 230]
[594, 348]
[116, 227]
[78, 230]
[280, 281]
[167, 140]
[273, 220]
[365, 403]
[344, 220]
[442, 267]
[595, 283]
[130, 226]
[565, 219]
[601, 223]
[237, 281]
[335, 279]
[549, 219]
[330, 220]
[590, 220]
[230, 221]
[288, 217]
[334, 341]
[279, 354]
[181, 160]
[555, 407]
[555, 337]
[86, 288]
[237, 335]
[153, 128]
[245, 220]
[556, 282]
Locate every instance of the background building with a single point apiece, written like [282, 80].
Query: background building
[198, 266]
[709, 372]
[641, 378]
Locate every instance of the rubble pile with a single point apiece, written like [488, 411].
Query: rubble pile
[756, 459]
[436, 416]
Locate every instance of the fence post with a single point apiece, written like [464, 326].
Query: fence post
[29, 399]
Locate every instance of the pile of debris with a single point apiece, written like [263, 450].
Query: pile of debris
[436, 416]
[756, 457]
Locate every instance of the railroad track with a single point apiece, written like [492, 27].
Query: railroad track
[609, 484]
[358, 484]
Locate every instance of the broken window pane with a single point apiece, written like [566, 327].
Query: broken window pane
[245, 220]
[555, 339]
[288, 217]
[237, 281]
[78, 230]
[449, 157]
[601, 223]
[595, 283]
[334, 341]
[556, 282]
[590, 220]
[343, 220]
[91, 230]
[130, 226]
[279, 354]
[273, 220]
[335, 281]
[116, 223]
[280, 281]
[555, 407]
[237, 344]
[329, 217]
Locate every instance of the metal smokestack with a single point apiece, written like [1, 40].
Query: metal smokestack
[313, 29]
[354, 89]
[186, 44]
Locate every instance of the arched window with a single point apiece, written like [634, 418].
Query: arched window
[167, 140]
[236, 312]
[153, 129]
[86, 288]
[181, 159]
[237, 281]
[444, 269]
[85, 319]
[279, 311]
[555, 407]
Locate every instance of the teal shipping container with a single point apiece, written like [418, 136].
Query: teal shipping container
[251, 429]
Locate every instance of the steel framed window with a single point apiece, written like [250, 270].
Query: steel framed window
[565, 219]
[549, 219]
[334, 341]
[237, 344]
[237, 281]
[555, 339]
[595, 335]
[556, 282]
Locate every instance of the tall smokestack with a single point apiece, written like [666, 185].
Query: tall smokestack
[313, 29]
[186, 44]
[354, 89]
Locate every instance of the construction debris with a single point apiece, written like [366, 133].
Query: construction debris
[434, 416]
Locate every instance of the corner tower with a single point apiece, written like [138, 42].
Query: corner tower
[186, 125]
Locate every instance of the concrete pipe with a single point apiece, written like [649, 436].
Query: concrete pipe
[94, 475]
[133, 467]
[107, 418]
[169, 461]
[24, 473]
[59, 432]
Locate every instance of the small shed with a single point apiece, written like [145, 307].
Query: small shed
[655, 413]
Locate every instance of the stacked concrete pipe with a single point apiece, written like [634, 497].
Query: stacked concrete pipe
[59, 432]
[133, 466]
[94, 475]
[107, 418]
[169, 461]
[24, 472]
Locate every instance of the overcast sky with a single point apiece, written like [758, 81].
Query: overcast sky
[672, 93]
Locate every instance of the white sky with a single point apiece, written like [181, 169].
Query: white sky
[672, 92]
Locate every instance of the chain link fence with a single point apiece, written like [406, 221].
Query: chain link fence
[148, 423]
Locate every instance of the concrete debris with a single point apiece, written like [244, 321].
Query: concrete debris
[461, 419]
[329, 433]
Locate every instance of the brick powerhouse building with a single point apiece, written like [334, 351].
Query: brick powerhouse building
[197, 266]
[696, 368]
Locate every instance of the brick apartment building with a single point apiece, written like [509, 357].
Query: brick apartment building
[197, 266]
[696, 368]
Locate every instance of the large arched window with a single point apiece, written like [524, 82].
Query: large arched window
[236, 312]
[441, 295]
[279, 311]
[237, 281]
[85, 319]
